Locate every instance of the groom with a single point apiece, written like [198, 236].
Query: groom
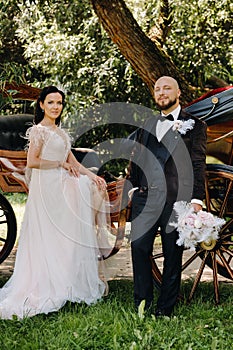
[168, 165]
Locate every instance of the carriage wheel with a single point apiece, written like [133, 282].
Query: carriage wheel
[218, 255]
[118, 216]
[8, 228]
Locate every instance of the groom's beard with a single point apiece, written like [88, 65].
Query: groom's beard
[164, 106]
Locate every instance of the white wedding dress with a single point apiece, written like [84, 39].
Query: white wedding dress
[63, 234]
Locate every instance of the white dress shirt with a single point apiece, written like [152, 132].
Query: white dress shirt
[163, 126]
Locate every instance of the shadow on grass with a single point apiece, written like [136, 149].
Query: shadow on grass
[121, 291]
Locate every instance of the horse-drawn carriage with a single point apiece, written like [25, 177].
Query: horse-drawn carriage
[216, 108]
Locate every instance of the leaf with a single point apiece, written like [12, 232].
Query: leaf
[141, 309]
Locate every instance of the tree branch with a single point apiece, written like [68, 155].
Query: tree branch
[147, 58]
[161, 29]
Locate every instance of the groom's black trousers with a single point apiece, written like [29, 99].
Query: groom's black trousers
[142, 247]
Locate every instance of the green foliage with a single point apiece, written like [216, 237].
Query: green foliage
[66, 46]
[200, 38]
[16, 198]
[62, 43]
[112, 324]
[8, 40]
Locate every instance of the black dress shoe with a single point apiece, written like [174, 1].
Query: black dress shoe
[163, 312]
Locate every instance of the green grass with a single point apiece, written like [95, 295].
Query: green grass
[113, 324]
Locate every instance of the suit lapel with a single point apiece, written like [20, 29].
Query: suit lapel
[172, 138]
[170, 141]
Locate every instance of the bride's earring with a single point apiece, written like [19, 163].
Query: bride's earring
[42, 110]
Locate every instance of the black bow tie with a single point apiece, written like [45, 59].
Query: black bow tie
[169, 117]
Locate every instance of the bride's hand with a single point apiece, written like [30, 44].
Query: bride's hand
[73, 170]
[99, 181]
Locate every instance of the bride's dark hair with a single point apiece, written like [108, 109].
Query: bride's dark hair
[39, 113]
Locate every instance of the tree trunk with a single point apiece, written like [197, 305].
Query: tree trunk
[147, 58]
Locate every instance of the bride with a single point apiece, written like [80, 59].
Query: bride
[64, 231]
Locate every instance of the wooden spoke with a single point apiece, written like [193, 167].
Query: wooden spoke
[198, 276]
[190, 260]
[225, 263]
[215, 276]
[219, 255]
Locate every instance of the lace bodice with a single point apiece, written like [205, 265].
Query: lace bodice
[55, 143]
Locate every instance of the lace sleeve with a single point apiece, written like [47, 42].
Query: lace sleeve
[35, 135]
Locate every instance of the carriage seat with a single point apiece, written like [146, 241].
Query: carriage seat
[12, 130]
[220, 167]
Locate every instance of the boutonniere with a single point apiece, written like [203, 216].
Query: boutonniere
[182, 126]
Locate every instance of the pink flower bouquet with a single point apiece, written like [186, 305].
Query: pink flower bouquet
[195, 227]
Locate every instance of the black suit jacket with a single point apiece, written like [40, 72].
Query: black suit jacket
[181, 159]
